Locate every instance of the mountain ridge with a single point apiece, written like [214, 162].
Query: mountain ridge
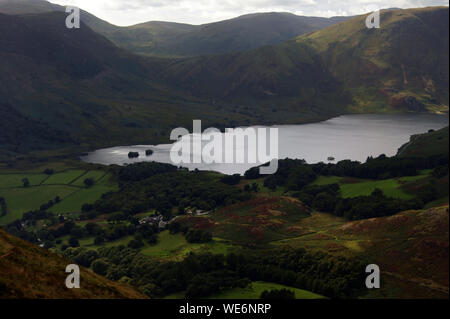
[160, 38]
[78, 82]
[400, 67]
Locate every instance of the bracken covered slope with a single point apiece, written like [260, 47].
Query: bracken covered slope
[32, 272]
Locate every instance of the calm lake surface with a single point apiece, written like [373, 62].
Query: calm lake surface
[352, 137]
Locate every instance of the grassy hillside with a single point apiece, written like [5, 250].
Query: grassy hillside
[411, 249]
[34, 272]
[285, 81]
[428, 144]
[255, 289]
[403, 66]
[42, 6]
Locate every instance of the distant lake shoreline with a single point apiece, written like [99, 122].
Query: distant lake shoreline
[352, 137]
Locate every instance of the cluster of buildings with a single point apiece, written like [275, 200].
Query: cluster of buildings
[154, 220]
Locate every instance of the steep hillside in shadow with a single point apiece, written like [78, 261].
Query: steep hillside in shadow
[34, 272]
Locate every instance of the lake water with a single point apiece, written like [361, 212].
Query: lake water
[352, 137]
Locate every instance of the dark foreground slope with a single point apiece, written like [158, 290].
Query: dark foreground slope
[32, 272]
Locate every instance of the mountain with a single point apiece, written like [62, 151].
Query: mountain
[403, 66]
[176, 39]
[239, 34]
[34, 272]
[74, 88]
[14, 7]
[78, 82]
[27, 6]
[281, 82]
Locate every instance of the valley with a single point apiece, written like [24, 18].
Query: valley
[294, 82]
[362, 178]
[256, 215]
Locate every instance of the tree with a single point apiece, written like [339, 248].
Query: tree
[278, 294]
[48, 245]
[26, 182]
[73, 242]
[440, 171]
[100, 266]
[87, 207]
[86, 257]
[174, 227]
[231, 179]
[324, 202]
[133, 154]
[136, 243]
[48, 171]
[89, 182]
[99, 240]
[198, 236]
[148, 152]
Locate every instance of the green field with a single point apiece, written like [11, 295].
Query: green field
[44, 188]
[64, 178]
[253, 292]
[82, 196]
[15, 180]
[95, 175]
[176, 246]
[352, 187]
[169, 246]
[21, 200]
[257, 287]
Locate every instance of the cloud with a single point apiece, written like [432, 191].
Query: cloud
[128, 12]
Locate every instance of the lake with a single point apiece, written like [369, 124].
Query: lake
[352, 137]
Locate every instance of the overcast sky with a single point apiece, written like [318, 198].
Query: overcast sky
[128, 12]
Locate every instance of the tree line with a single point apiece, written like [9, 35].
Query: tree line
[201, 275]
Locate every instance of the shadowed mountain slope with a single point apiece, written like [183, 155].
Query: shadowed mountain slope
[34, 272]
[77, 82]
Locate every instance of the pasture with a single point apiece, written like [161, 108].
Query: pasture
[254, 290]
[68, 185]
[353, 187]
